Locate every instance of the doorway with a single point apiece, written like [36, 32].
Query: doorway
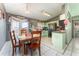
[76, 28]
[75, 41]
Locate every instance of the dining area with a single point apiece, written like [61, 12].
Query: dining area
[25, 34]
[31, 41]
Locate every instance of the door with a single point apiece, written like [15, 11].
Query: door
[76, 29]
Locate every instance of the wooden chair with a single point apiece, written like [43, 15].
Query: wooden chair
[36, 41]
[23, 31]
[14, 43]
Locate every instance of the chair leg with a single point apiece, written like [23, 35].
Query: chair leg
[13, 52]
[39, 52]
[19, 48]
[24, 49]
[31, 51]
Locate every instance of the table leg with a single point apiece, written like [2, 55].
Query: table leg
[22, 49]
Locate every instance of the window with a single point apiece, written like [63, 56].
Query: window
[14, 25]
[24, 24]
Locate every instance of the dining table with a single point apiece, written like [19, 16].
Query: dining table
[26, 38]
[23, 39]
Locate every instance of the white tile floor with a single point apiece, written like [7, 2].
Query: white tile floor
[46, 49]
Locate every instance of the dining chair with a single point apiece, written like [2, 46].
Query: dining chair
[15, 44]
[35, 42]
[23, 31]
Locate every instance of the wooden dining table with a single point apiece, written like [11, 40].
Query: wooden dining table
[26, 38]
[22, 40]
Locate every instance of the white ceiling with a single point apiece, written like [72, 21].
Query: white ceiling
[20, 9]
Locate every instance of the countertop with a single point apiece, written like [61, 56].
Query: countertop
[59, 31]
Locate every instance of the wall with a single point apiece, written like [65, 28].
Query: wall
[57, 21]
[2, 32]
[74, 9]
[74, 12]
[68, 27]
[7, 30]
[2, 29]
[53, 20]
[40, 24]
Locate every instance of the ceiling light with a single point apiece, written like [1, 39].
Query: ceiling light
[45, 13]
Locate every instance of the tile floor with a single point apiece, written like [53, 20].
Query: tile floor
[46, 49]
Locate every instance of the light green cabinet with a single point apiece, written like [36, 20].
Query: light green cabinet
[58, 40]
[44, 33]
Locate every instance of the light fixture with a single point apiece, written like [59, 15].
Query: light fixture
[27, 8]
[45, 13]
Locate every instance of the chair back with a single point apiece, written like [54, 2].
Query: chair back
[36, 36]
[13, 38]
[23, 31]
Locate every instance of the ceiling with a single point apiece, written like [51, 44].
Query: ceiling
[54, 9]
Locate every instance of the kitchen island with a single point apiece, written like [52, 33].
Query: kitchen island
[59, 40]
